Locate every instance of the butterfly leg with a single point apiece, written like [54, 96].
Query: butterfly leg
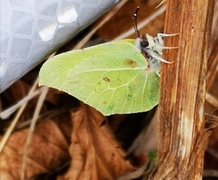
[158, 73]
[166, 35]
[157, 56]
[162, 60]
[159, 38]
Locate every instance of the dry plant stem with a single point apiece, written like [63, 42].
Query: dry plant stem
[106, 19]
[182, 138]
[32, 126]
[48, 115]
[210, 173]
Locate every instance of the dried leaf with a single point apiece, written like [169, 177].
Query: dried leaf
[95, 152]
[47, 151]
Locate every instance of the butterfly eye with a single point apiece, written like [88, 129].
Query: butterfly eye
[144, 44]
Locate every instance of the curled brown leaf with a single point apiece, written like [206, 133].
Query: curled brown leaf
[94, 150]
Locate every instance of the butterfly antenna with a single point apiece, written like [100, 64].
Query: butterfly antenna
[134, 18]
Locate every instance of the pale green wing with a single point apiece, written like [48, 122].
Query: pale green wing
[111, 77]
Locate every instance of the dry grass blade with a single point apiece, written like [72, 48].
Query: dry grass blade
[212, 66]
[14, 122]
[145, 142]
[143, 23]
[6, 113]
[212, 100]
[161, 3]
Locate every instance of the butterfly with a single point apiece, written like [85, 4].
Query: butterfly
[117, 77]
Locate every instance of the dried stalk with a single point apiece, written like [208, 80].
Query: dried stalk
[182, 138]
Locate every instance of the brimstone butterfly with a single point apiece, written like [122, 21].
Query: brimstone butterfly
[118, 77]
